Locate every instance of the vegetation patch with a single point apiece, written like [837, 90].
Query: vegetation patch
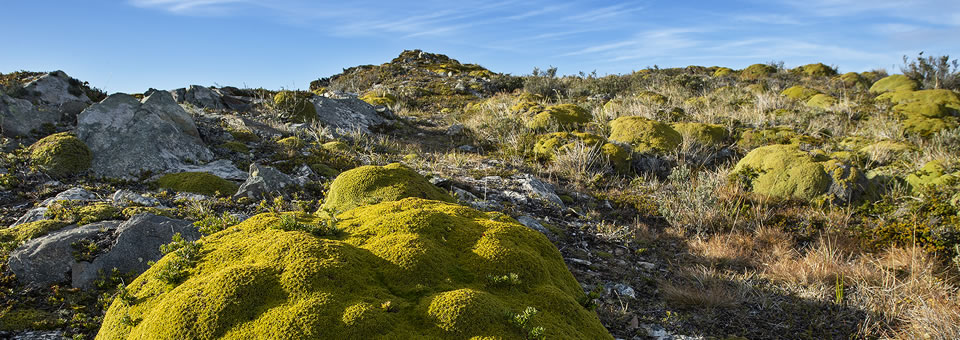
[60, 155]
[197, 182]
[372, 184]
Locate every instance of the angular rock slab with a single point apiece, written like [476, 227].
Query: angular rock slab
[130, 136]
[263, 180]
[49, 259]
[347, 115]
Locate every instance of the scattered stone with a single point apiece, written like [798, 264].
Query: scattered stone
[539, 189]
[125, 198]
[38, 213]
[263, 180]
[344, 116]
[621, 290]
[647, 265]
[532, 223]
[198, 96]
[221, 168]
[455, 129]
[129, 137]
[467, 148]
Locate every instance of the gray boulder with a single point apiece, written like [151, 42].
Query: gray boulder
[38, 213]
[222, 168]
[18, 116]
[539, 189]
[56, 90]
[198, 96]
[263, 180]
[128, 247]
[347, 115]
[124, 198]
[130, 136]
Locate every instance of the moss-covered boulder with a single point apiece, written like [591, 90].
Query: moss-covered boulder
[822, 101]
[651, 98]
[798, 92]
[751, 139]
[373, 184]
[757, 71]
[785, 171]
[61, 155]
[713, 135]
[408, 269]
[644, 135]
[562, 116]
[197, 182]
[854, 79]
[933, 173]
[549, 145]
[295, 106]
[894, 83]
[815, 70]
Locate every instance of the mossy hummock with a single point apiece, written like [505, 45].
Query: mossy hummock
[562, 116]
[800, 93]
[60, 155]
[405, 269]
[822, 101]
[785, 171]
[373, 184]
[549, 145]
[644, 135]
[757, 71]
[295, 106]
[927, 111]
[379, 98]
[197, 182]
[815, 70]
[894, 83]
[712, 135]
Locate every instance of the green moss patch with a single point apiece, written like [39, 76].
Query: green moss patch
[379, 98]
[405, 269]
[562, 116]
[197, 182]
[815, 70]
[549, 145]
[713, 135]
[800, 93]
[61, 155]
[785, 171]
[927, 111]
[372, 184]
[934, 173]
[822, 101]
[644, 135]
[757, 71]
[751, 139]
[295, 106]
[894, 83]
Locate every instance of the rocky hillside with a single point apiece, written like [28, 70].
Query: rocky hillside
[428, 198]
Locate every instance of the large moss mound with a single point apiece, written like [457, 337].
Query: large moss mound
[757, 71]
[894, 83]
[713, 135]
[784, 171]
[822, 101]
[408, 269]
[926, 112]
[563, 116]
[373, 184]
[644, 135]
[549, 145]
[751, 139]
[197, 182]
[60, 155]
[815, 70]
[933, 173]
[798, 92]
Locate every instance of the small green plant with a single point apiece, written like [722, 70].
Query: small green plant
[323, 228]
[511, 279]
[838, 289]
[522, 321]
[184, 255]
[213, 224]
[84, 250]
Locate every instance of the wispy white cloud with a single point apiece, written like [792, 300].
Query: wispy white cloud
[769, 18]
[194, 7]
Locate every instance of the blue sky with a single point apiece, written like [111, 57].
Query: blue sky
[131, 45]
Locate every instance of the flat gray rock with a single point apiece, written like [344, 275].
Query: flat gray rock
[348, 115]
[262, 181]
[48, 259]
[130, 136]
[18, 117]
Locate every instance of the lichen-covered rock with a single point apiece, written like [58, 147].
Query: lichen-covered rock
[56, 91]
[127, 246]
[822, 101]
[816, 70]
[757, 71]
[894, 83]
[199, 96]
[798, 92]
[198, 183]
[262, 182]
[406, 269]
[19, 117]
[644, 135]
[61, 155]
[349, 115]
[785, 171]
[129, 136]
[712, 135]
[562, 116]
[372, 184]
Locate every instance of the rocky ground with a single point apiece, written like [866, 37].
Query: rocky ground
[687, 203]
